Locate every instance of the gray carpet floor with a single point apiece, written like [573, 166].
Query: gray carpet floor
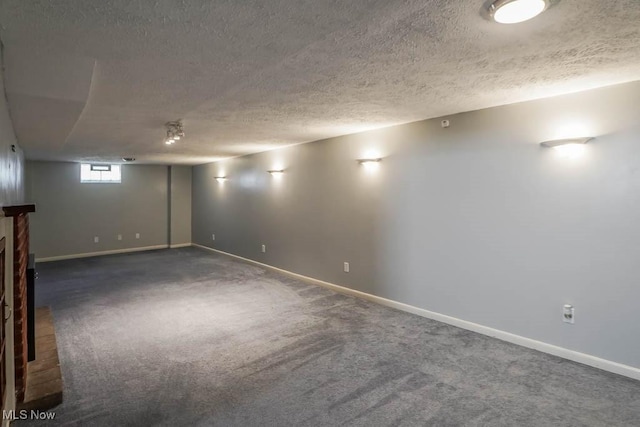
[185, 337]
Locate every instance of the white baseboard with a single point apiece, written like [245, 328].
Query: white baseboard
[180, 245]
[586, 359]
[101, 253]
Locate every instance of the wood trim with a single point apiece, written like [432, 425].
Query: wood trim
[18, 209]
[3, 354]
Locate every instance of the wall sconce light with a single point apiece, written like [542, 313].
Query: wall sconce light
[276, 172]
[369, 161]
[570, 147]
[560, 142]
[371, 164]
[221, 178]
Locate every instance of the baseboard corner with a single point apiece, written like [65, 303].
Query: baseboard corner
[180, 245]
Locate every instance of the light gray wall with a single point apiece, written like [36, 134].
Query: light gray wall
[69, 214]
[180, 205]
[11, 163]
[476, 221]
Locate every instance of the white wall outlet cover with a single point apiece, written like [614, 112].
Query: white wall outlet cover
[568, 314]
[346, 267]
[137, 235]
[96, 239]
[213, 237]
[264, 248]
[119, 236]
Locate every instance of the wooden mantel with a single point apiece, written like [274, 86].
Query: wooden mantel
[16, 210]
[20, 216]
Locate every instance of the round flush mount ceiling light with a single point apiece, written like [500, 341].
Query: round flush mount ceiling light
[515, 11]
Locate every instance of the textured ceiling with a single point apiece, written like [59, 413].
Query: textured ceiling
[97, 79]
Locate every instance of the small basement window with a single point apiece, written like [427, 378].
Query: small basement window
[105, 174]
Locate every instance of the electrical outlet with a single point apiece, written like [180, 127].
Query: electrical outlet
[96, 239]
[213, 237]
[137, 235]
[119, 236]
[346, 267]
[264, 249]
[569, 314]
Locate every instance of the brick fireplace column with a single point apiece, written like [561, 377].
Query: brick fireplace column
[20, 215]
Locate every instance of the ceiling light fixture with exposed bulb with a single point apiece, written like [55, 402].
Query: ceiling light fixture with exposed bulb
[516, 11]
[175, 132]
